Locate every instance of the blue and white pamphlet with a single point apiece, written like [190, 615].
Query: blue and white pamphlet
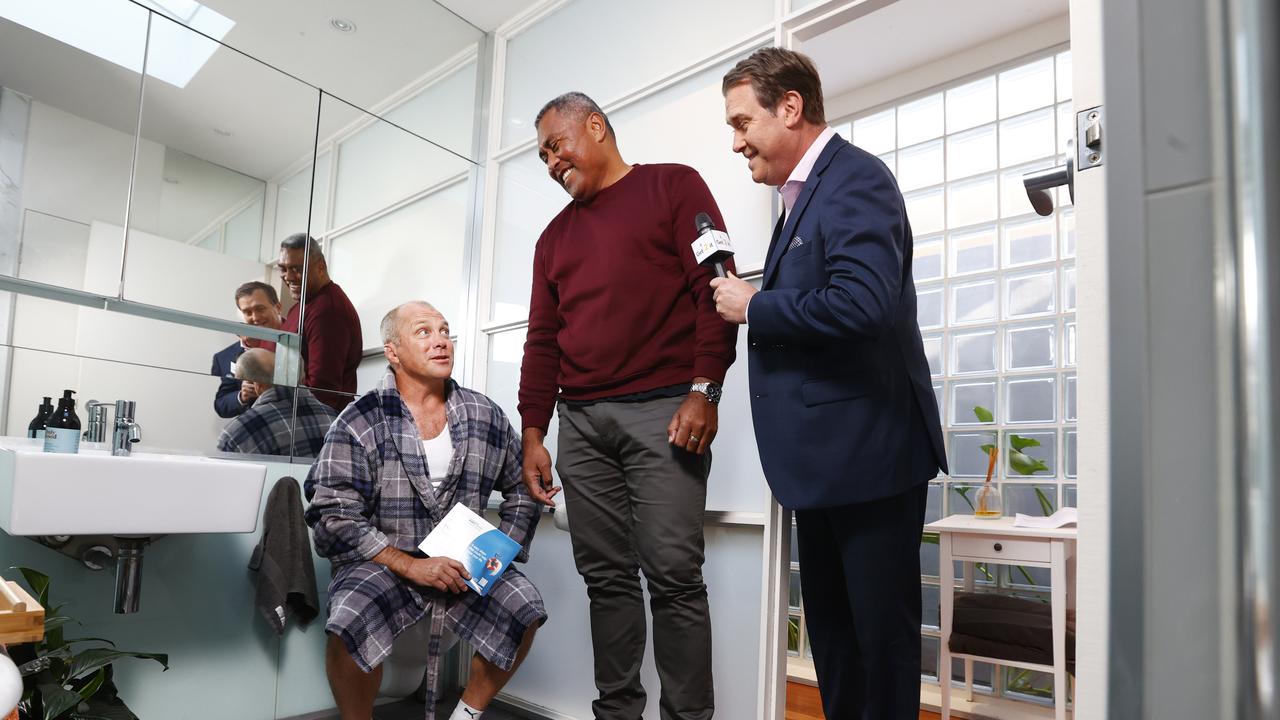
[483, 550]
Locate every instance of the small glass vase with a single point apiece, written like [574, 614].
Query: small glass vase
[988, 505]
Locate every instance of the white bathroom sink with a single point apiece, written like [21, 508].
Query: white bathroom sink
[93, 493]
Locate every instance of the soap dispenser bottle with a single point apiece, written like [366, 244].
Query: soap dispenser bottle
[35, 429]
[62, 433]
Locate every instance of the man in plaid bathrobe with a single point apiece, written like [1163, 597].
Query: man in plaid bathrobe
[374, 496]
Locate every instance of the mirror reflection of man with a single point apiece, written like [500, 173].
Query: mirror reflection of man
[331, 342]
[259, 305]
[275, 424]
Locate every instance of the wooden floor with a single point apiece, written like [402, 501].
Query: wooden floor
[803, 703]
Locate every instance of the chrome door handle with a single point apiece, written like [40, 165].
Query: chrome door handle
[1038, 183]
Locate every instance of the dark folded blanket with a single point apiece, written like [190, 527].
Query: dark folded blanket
[1007, 628]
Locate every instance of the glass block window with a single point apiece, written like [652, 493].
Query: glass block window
[996, 289]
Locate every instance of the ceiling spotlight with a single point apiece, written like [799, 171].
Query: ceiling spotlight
[342, 25]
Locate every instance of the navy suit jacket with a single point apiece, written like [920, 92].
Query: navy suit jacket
[843, 406]
[227, 400]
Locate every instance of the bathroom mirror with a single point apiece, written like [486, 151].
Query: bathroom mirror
[70, 84]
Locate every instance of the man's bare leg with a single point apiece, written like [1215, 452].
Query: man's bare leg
[487, 679]
[353, 689]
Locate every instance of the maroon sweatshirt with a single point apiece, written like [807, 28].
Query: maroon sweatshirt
[619, 304]
[331, 344]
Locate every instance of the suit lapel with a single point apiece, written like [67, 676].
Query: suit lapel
[781, 240]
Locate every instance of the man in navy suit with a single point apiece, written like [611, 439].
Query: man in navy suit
[259, 304]
[845, 416]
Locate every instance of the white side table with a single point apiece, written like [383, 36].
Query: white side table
[972, 540]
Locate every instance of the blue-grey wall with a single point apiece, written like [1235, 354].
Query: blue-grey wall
[197, 606]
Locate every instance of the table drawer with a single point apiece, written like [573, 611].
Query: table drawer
[1000, 549]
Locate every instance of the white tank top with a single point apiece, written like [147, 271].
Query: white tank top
[439, 452]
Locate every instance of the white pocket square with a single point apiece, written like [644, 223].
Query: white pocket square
[796, 242]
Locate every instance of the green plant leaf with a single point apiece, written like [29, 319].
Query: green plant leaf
[1024, 464]
[87, 690]
[94, 658]
[986, 449]
[963, 492]
[1022, 443]
[983, 414]
[57, 700]
[38, 582]
[90, 639]
[1046, 507]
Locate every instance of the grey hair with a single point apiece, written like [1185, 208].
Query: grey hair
[577, 105]
[389, 329]
[297, 241]
[256, 365]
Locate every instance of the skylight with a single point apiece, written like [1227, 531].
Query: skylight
[116, 32]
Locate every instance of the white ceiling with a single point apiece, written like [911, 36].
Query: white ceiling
[909, 33]
[488, 15]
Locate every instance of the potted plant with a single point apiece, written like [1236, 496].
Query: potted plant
[69, 678]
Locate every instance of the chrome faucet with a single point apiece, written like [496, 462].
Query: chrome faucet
[126, 432]
[97, 428]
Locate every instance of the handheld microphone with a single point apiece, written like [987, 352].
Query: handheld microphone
[712, 247]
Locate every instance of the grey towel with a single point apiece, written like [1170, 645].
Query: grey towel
[283, 561]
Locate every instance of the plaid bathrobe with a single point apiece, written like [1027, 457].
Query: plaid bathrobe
[369, 489]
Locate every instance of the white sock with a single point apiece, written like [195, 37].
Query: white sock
[465, 712]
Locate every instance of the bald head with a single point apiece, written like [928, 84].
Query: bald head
[392, 324]
[257, 366]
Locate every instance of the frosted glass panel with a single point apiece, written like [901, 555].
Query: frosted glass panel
[971, 202]
[973, 302]
[1064, 75]
[243, 237]
[920, 120]
[971, 153]
[1070, 389]
[973, 250]
[929, 308]
[381, 165]
[966, 396]
[1030, 294]
[1067, 232]
[920, 166]
[293, 209]
[1027, 137]
[1030, 346]
[1069, 344]
[971, 104]
[967, 458]
[1070, 452]
[527, 200]
[1031, 400]
[1028, 241]
[1069, 289]
[1026, 88]
[876, 133]
[890, 160]
[648, 41]
[1066, 128]
[926, 260]
[924, 211]
[1046, 452]
[443, 112]
[975, 352]
[933, 353]
[414, 253]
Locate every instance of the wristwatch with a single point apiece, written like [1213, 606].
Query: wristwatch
[710, 389]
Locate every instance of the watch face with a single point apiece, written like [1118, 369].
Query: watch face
[713, 393]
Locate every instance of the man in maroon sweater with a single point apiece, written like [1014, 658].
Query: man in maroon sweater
[623, 332]
[331, 342]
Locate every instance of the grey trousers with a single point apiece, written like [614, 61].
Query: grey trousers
[637, 503]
